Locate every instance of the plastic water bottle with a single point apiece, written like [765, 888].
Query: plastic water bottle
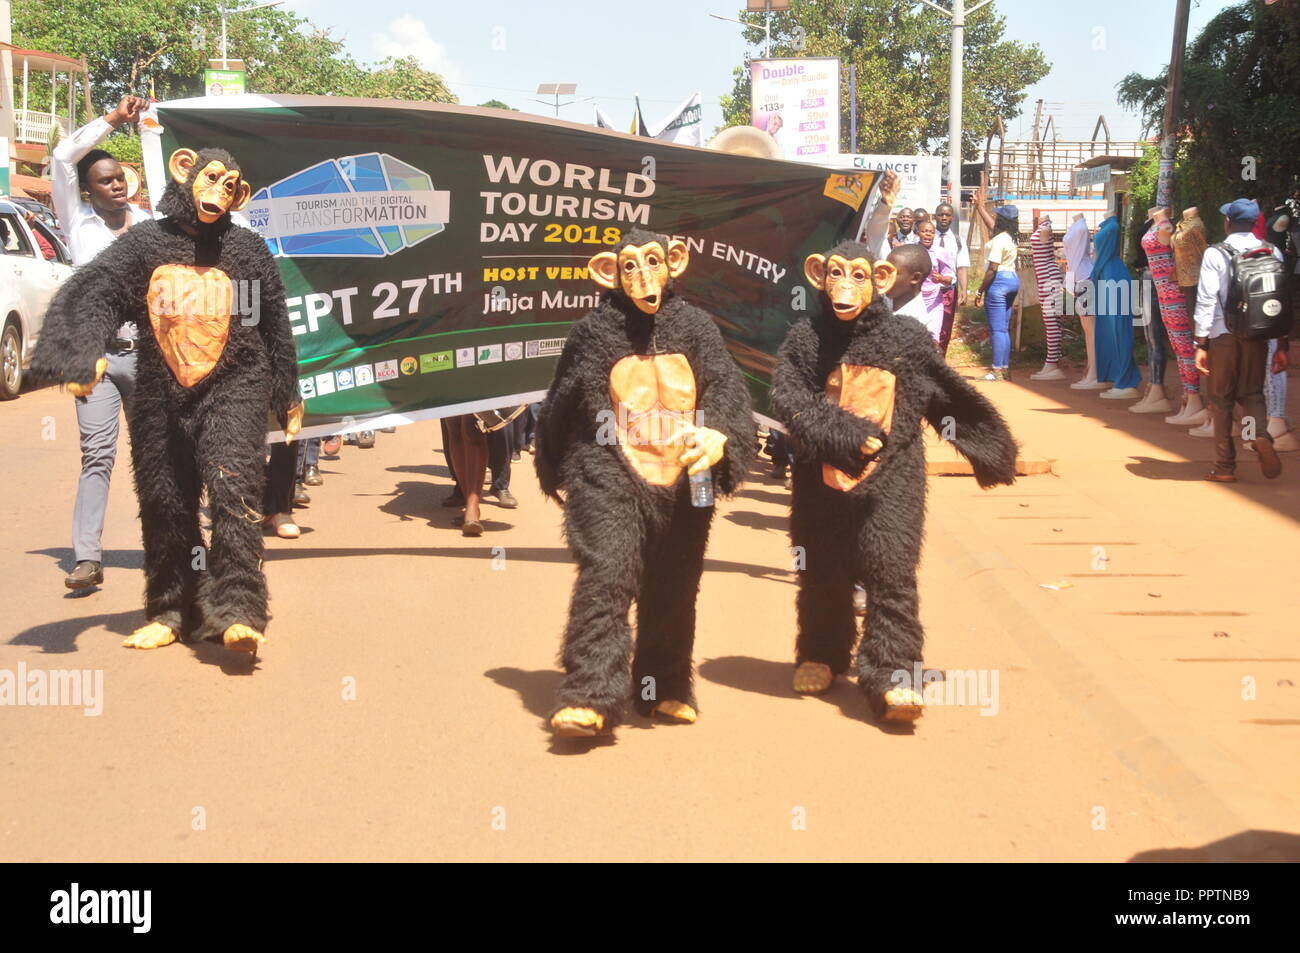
[702, 488]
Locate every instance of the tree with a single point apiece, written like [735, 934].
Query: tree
[127, 43]
[902, 52]
[1240, 114]
[498, 104]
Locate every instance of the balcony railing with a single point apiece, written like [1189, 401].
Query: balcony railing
[34, 127]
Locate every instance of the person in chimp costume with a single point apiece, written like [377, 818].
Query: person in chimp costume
[644, 391]
[216, 355]
[853, 384]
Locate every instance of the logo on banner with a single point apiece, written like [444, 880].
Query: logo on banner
[344, 379]
[489, 354]
[306, 387]
[464, 357]
[365, 375]
[435, 361]
[514, 351]
[325, 383]
[544, 347]
[409, 366]
[849, 188]
[386, 370]
[361, 206]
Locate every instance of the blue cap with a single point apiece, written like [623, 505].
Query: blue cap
[1241, 210]
[1008, 211]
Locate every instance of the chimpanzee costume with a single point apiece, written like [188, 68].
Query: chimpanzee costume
[852, 385]
[644, 389]
[206, 382]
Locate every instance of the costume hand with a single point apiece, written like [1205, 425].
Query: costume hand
[1203, 360]
[294, 423]
[83, 390]
[704, 448]
[871, 445]
[1281, 360]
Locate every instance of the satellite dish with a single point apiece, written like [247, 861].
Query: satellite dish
[746, 141]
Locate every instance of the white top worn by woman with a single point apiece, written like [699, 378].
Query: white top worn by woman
[1001, 251]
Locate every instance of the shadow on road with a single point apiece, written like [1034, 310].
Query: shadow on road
[765, 677]
[57, 638]
[751, 520]
[112, 558]
[1247, 847]
[1282, 495]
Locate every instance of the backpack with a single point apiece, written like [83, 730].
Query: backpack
[1258, 304]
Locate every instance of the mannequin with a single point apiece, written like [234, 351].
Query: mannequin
[1113, 310]
[1047, 274]
[1079, 260]
[1166, 313]
[1189, 244]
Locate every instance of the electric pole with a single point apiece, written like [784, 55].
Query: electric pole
[1173, 97]
[958, 15]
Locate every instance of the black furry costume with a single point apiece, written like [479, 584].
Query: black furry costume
[210, 434]
[872, 532]
[632, 540]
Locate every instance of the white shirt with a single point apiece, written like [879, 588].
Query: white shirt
[1001, 251]
[1212, 292]
[1077, 256]
[87, 233]
[948, 240]
[914, 309]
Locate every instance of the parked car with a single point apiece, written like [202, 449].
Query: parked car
[27, 283]
[42, 212]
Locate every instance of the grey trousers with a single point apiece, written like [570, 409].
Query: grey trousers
[98, 418]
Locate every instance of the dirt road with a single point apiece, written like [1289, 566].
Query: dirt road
[397, 710]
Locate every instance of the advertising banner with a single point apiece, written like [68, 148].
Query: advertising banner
[223, 82]
[435, 257]
[797, 101]
[920, 177]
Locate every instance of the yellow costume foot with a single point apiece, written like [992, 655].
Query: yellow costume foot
[903, 704]
[577, 723]
[241, 638]
[812, 678]
[152, 636]
[677, 711]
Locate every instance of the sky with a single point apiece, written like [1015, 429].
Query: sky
[616, 50]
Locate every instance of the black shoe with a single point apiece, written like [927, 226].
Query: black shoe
[516, 456]
[454, 498]
[311, 476]
[366, 439]
[87, 574]
[505, 499]
[300, 495]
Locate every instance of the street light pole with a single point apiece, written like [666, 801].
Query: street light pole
[225, 62]
[957, 15]
[767, 30]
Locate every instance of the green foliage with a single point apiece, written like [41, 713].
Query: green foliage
[902, 51]
[498, 104]
[123, 147]
[127, 43]
[1240, 109]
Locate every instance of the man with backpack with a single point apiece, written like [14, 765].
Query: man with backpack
[1240, 306]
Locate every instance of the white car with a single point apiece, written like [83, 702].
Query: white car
[27, 283]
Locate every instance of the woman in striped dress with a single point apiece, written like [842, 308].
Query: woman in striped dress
[1047, 274]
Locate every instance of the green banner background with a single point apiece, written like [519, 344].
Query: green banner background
[750, 222]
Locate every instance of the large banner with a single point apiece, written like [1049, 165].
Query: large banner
[797, 101]
[434, 257]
